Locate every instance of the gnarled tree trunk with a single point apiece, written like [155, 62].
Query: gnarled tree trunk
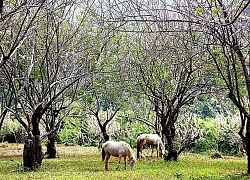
[168, 135]
[51, 147]
[105, 135]
[248, 150]
[32, 152]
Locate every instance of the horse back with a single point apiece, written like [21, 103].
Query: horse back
[115, 148]
[154, 139]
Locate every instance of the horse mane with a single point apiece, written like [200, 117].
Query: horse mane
[130, 151]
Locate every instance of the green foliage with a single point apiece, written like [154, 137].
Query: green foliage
[226, 145]
[69, 135]
[220, 58]
[199, 10]
[216, 52]
[217, 136]
[207, 111]
[208, 141]
[75, 131]
[204, 106]
[216, 10]
[46, 142]
[12, 131]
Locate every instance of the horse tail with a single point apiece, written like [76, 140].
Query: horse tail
[103, 154]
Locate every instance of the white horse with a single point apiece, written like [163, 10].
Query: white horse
[118, 149]
[150, 139]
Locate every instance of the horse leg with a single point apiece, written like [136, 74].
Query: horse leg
[125, 163]
[106, 161]
[152, 146]
[119, 160]
[157, 150]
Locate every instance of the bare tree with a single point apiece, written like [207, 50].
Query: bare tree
[225, 25]
[170, 79]
[41, 67]
[168, 65]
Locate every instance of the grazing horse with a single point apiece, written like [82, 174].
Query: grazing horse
[150, 139]
[118, 149]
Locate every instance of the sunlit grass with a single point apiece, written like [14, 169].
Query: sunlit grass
[85, 163]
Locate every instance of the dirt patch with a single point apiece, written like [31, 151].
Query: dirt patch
[13, 149]
[13, 152]
[3, 145]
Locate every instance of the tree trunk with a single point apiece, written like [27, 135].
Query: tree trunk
[105, 134]
[32, 152]
[168, 134]
[51, 147]
[248, 149]
[38, 151]
[29, 153]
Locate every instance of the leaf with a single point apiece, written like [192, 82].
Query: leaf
[216, 52]
[199, 10]
[216, 10]
[221, 58]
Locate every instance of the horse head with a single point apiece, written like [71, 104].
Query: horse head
[132, 162]
[162, 150]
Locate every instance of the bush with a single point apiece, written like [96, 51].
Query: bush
[69, 136]
[217, 136]
[75, 131]
[12, 132]
[203, 145]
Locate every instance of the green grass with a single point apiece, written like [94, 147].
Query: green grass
[85, 163]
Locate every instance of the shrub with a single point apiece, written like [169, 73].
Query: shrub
[218, 136]
[75, 131]
[12, 132]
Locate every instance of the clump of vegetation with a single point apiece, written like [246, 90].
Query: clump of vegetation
[216, 155]
[12, 132]
[218, 135]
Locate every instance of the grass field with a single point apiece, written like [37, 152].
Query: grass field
[85, 163]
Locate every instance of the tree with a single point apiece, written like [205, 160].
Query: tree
[225, 25]
[167, 64]
[154, 73]
[103, 93]
[39, 69]
[12, 37]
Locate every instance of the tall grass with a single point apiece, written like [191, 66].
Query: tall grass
[85, 163]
